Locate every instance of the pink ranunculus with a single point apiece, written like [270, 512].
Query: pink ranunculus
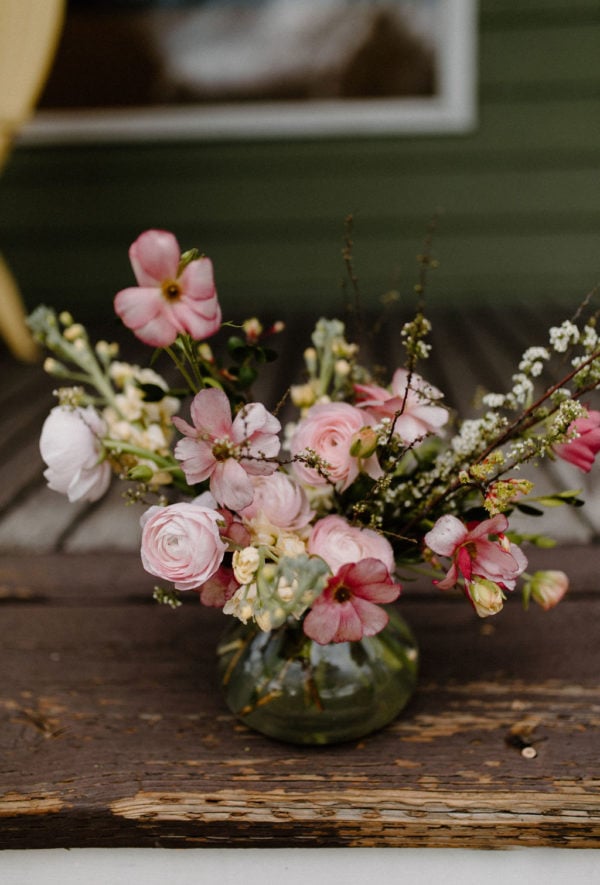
[582, 450]
[329, 430]
[181, 543]
[347, 609]
[419, 415]
[338, 543]
[165, 304]
[474, 553]
[225, 451]
[280, 500]
[70, 444]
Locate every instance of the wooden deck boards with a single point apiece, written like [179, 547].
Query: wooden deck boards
[113, 732]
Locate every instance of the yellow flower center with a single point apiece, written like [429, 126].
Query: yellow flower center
[171, 290]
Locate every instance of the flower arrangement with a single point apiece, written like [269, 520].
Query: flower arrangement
[319, 521]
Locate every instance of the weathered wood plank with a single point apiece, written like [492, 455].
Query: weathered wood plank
[114, 733]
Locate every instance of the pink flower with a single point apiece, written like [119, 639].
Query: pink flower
[347, 610]
[70, 445]
[474, 554]
[181, 543]
[165, 303]
[418, 415]
[280, 500]
[329, 431]
[226, 451]
[339, 543]
[582, 450]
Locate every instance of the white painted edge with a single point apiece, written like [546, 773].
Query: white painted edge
[454, 110]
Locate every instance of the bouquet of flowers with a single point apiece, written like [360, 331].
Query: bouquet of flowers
[318, 521]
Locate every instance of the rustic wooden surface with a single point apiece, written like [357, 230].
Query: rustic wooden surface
[114, 734]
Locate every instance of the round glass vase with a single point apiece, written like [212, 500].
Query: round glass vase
[286, 686]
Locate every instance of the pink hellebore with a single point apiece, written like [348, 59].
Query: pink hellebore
[226, 451]
[347, 610]
[474, 554]
[165, 304]
[582, 450]
[413, 412]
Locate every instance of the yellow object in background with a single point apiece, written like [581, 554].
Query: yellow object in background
[29, 31]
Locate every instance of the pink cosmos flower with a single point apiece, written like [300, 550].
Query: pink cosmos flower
[582, 450]
[329, 430]
[419, 415]
[226, 451]
[347, 609]
[165, 304]
[339, 543]
[474, 554]
[71, 447]
[280, 500]
[181, 543]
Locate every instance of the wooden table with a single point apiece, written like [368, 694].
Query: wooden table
[113, 732]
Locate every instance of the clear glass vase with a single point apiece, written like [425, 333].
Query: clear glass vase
[289, 687]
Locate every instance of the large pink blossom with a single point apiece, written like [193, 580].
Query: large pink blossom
[483, 551]
[279, 499]
[181, 543]
[582, 450]
[413, 412]
[338, 543]
[329, 431]
[226, 451]
[70, 444]
[166, 303]
[347, 609]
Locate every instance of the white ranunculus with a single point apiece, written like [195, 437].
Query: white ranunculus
[70, 446]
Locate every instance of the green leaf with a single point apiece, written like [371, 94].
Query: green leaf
[529, 510]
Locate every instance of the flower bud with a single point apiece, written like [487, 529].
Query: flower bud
[140, 473]
[486, 596]
[245, 564]
[364, 443]
[547, 588]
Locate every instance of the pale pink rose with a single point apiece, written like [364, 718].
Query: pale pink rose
[481, 552]
[70, 444]
[339, 543]
[181, 543]
[225, 451]
[166, 304]
[582, 450]
[280, 500]
[329, 430]
[347, 609]
[419, 413]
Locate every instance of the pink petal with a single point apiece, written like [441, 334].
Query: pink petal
[143, 310]
[211, 413]
[321, 623]
[372, 617]
[446, 535]
[197, 457]
[155, 257]
[254, 418]
[231, 485]
[350, 628]
[198, 280]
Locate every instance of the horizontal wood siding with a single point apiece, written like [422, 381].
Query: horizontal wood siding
[520, 195]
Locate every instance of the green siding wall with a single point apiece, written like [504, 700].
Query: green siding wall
[520, 195]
